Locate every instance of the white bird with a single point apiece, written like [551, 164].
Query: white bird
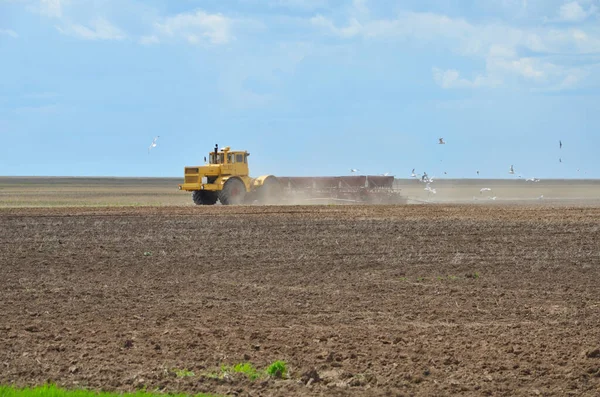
[493, 198]
[153, 144]
[441, 141]
[386, 174]
[541, 197]
[512, 170]
[426, 179]
[413, 175]
[429, 189]
[353, 170]
[485, 189]
[532, 180]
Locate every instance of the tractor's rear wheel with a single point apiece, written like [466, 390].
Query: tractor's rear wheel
[233, 193]
[270, 192]
[204, 197]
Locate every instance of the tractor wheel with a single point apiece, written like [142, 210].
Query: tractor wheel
[203, 197]
[270, 192]
[233, 192]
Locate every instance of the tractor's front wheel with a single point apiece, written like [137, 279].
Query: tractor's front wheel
[233, 192]
[204, 197]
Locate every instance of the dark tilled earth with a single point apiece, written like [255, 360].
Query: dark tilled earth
[407, 300]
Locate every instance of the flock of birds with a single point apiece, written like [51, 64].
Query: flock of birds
[485, 190]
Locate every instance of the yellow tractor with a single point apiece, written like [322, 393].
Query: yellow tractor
[225, 178]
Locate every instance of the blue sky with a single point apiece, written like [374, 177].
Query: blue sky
[309, 87]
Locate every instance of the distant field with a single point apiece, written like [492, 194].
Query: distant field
[68, 192]
[94, 192]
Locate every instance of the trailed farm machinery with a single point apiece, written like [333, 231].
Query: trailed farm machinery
[225, 178]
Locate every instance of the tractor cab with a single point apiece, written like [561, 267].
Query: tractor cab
[229, 162]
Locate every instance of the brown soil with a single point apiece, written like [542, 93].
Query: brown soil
[407, 300]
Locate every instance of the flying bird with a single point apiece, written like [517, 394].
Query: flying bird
[477, 172]
[512, 170]
[532, 180]
[429, 189]
[153, 144]
[386, 174]
[413, 175]
[560, 160]
[560, 144]
[441, 141]
[354, 170]
[485, 189]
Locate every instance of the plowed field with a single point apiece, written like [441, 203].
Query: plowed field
[408, 300]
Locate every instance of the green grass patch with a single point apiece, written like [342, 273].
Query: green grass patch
[183, 373]
[242, 368]
[53, 391]
[277, 370]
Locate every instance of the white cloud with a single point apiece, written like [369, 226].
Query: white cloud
[574, 12]
[99, 29]
[360, 6]
[451, 79]
[9, 32]
[497, 44]
[198, 27]
[463, 36]
[501, 69]
[528, 68]
[353, 29]
[49, 8]
[149, 40]
[298, 4]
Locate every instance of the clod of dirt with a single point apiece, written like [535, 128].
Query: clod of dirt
[73, 369]
[32, 328]
[593, 353]
[128, 344]
[310, 376]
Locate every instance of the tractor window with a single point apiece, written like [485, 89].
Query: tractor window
[229, 158]
[245, 159]
[239, 158]
[212, 159]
